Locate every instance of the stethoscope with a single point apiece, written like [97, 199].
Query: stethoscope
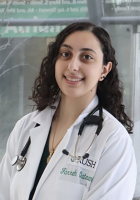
[90, 119]
[20, 160]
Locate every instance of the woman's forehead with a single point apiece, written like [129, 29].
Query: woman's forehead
[82, 40]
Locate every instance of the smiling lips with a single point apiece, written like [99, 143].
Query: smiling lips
[73, 79]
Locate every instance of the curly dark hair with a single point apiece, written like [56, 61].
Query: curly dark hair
[109, 91]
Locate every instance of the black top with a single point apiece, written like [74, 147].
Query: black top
[42, 166]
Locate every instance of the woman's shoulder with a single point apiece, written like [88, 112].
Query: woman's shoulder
[28, 117]
[113, 126]
[29, 120]
[26, 123]
[113, 135]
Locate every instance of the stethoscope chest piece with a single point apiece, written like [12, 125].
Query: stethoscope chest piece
[20, 161]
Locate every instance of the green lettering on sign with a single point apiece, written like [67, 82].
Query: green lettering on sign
[30, 31]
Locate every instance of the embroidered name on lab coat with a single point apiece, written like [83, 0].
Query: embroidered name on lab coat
[81, 174]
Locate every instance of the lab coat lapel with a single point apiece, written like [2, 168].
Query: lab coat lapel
[38, 139]
[54, 160]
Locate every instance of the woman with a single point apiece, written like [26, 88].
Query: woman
[78, 75]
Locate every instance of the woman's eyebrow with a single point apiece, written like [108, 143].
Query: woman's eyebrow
[82, 49]
[66, 45]
[88, 49]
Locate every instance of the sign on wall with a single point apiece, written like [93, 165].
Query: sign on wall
[39, 9]
[42, 9]
[121, 7]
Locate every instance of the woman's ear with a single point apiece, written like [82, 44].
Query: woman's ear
[106, 69]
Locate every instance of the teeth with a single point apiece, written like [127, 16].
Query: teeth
[74, 80]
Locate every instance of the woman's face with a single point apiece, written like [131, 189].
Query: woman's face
[79, 66]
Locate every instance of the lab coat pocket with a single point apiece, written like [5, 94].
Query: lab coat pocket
[64, 190]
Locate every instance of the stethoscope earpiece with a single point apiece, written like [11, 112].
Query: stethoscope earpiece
[86, 156]
[64, 151]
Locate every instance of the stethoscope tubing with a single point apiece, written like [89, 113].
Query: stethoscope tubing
[90, 119]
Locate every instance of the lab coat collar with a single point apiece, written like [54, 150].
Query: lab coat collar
[87, 110]
[41, 117]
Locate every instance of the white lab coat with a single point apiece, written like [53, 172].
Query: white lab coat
[108, 174]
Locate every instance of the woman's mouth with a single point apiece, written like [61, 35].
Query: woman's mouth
[74, 79]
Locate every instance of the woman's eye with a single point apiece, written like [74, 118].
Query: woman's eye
[87, 57]
[65, 54]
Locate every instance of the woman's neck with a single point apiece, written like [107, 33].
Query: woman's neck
[71, 108]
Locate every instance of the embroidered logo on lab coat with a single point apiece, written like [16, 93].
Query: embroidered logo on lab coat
[88, 163]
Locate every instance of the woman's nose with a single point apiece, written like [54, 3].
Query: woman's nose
[74, 64]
